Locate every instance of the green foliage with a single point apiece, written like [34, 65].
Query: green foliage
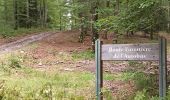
[141, 95]
[144, 95]
[109, 23]
[142, 81]
[126, 15]
[136, 15]
[168, 93]
[146, 85]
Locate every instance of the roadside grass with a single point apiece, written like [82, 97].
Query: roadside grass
[23, 82]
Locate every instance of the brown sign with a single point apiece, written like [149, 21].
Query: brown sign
[126, 52]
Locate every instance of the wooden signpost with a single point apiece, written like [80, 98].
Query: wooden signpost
[135, 52]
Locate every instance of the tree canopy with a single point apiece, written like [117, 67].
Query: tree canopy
[87, 15]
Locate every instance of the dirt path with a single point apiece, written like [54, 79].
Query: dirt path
[25, 41]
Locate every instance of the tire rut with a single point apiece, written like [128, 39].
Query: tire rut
[25, 41]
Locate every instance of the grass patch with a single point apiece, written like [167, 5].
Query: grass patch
[27, 83]
[127, 76]
[85, 55]
[109, 77]
[31, 84]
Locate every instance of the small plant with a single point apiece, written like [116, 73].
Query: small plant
[141, 95]
[14, 62]
[47, 91]
[107, 94]
[144, 95]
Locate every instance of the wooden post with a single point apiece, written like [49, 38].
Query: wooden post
[99, 73]
[101, 70]
[163, 68]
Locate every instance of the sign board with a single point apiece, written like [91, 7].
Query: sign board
[130, 52]
[136, 52]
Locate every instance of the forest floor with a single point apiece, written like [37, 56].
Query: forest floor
[60, 52]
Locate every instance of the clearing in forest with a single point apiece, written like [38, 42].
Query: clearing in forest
[58, 67]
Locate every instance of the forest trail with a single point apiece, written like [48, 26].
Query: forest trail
[24, 41]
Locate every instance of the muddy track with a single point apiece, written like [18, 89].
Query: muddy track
[25, 41]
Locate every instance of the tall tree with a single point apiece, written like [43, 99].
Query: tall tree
[94, 12]
[5, 10]
[15, 14]
[33, 12]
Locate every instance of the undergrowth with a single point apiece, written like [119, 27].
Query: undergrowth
[7, 31]
[18, 82]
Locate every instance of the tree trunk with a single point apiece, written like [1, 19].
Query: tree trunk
[108, 3]
[40, 14]
[95, 34]
[44, 13]
[151, 35]
[15, 14]
[106, 31]
[127, 4]
[81, 37]
[5, 11]
[28, 20]
[33, 12]
[117, 7]
[60, 20]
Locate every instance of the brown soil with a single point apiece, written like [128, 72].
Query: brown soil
[66, 41]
